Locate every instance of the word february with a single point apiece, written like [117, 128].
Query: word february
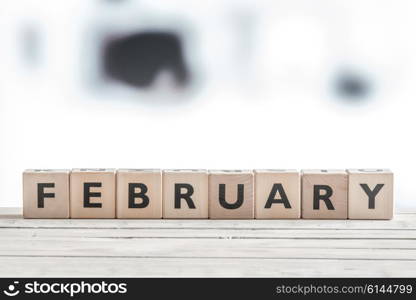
[201, 194]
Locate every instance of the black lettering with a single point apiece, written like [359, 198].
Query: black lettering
[186, 196]
[371, 194]
[240, 197]
[133, 195]
[42, 195]
[277, 187]
[317, 196]
[88, 194]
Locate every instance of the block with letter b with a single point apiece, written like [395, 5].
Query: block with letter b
[46, 193]
[231, 194]
[185, 194]
[139, 193]
[370, 193]
[277, 194]
[324, 194]
[93, 193]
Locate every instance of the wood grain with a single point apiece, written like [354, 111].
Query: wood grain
[212, 248]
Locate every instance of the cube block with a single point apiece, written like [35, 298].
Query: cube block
[370, 193]
[277, 194]
[215, 194]
[324, 194]
[185, 194]
[231, 194]
[46, 193]
[93, 193]
[139, 194]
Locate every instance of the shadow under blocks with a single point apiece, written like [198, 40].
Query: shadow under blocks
[208, 194]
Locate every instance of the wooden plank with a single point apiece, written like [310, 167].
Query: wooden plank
[197, 233]
[11, 217]
[197, 267]
[34, 242]
[233, 249]
[401, 221]
[209, 248]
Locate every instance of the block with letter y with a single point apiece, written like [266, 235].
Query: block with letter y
[370, 194]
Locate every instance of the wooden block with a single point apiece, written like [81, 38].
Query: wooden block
[46, 194]
[231, 194]
[324, 194]
[185, 194]
[93, 193]
[277, 194]
[370, 194]
[139, 194]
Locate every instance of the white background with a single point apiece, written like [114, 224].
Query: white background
[262, 94]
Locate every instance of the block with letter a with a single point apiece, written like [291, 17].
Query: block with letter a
[277, 194]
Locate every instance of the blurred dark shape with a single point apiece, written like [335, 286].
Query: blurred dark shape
[31, 44]
[352, 86]
[137, 59]
[114, 1]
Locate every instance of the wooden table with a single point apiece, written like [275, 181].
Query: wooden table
[206, 248]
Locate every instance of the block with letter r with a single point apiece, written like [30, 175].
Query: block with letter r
[324, 194]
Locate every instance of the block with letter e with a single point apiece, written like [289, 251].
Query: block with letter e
[46, 194]
[370, 194]
[93, 193]
[324, 194]
[139, 193]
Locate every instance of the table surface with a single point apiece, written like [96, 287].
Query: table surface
[206, 248]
